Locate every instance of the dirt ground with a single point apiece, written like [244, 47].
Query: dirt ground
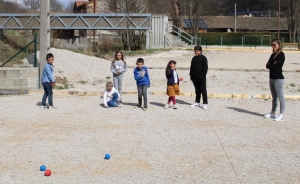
[230, 142]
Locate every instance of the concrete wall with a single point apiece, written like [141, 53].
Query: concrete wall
[19, 78]
[159, 29]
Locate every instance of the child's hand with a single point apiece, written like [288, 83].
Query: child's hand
[52, 84]
[181, 78]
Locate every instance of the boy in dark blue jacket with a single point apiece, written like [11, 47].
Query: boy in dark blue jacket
[142, 81]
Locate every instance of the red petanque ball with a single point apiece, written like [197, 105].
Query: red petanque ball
[47, 172]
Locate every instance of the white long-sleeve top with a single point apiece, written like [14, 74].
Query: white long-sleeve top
[108, 95]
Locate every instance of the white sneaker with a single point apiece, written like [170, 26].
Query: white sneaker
[43, 107]
[167, 106]
[204, 106]
[174, 107]
[52, 107]
[270, 115]
[194, 105]
[279, 118]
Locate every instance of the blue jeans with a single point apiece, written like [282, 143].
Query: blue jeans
[47, 93]
[113, 102]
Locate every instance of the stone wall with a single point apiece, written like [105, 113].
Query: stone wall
[19, 78]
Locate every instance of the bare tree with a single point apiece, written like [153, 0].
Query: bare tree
[33, 5]
[129, 37]
[292, 8]
[69, 8]
[10, 7]
[176, 12]
[56, 6]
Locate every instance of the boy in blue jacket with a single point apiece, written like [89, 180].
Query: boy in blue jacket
[142, 81]
[48, 81]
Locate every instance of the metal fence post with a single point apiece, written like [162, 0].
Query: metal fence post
[221, 41]
[35, 37]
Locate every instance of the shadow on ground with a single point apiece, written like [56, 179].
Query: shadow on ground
[158, 104]
[244, 111]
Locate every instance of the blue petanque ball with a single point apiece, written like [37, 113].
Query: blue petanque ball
[107, 156]
[42, 168]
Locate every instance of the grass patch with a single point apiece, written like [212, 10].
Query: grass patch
[292, 85]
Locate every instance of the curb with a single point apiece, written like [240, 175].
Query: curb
[210, 95]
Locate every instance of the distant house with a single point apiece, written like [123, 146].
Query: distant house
[243, 24]
[90, 6]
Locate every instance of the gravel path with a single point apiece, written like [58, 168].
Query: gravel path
[228, 143]
[87, 73]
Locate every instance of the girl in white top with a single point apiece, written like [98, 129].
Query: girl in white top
[111, 96]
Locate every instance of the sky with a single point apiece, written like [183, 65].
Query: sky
[64, 2]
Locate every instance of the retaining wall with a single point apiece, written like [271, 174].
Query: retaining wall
[19, 78]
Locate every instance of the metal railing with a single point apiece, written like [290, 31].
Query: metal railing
[167, 41]
[181, 34]
[35, 60]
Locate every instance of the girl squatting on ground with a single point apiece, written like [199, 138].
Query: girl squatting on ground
[142, 81]
[198, 71]
[276, 81]
[118, 67]
[172, 84]
[111, 96]
[48, 81]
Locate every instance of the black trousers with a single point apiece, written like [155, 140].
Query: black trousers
[200, 88]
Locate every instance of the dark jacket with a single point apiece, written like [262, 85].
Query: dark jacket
[199, 67]
[171, 79]
[275, 65]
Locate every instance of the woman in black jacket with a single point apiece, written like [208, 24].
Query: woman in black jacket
[276, 81]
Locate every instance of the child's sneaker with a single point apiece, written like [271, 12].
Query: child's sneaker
[270, 115]
[52, 107]
[205, 106]
[43, 107]
[279, 118]
[174, 107]
[144, 108]
[167, 106]
[138, 106]
[194, 105]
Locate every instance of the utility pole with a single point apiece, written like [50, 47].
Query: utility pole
[235, 17]
[278, 18]
[44, 34]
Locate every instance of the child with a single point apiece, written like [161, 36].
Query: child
[142, 81]
[111, 96]
[172, 84]
[48, 81]
[198, 71]
[118, 67]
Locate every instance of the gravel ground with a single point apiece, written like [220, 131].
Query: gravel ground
[228, 143]
[87, 73]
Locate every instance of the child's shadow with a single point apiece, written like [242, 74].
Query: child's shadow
[157, 104]
[182, 102]
[39, 104]
[129, 103]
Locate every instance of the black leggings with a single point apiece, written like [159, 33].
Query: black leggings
[200, 88]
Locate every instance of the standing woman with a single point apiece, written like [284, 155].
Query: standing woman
[276, 82]
[118, 67]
